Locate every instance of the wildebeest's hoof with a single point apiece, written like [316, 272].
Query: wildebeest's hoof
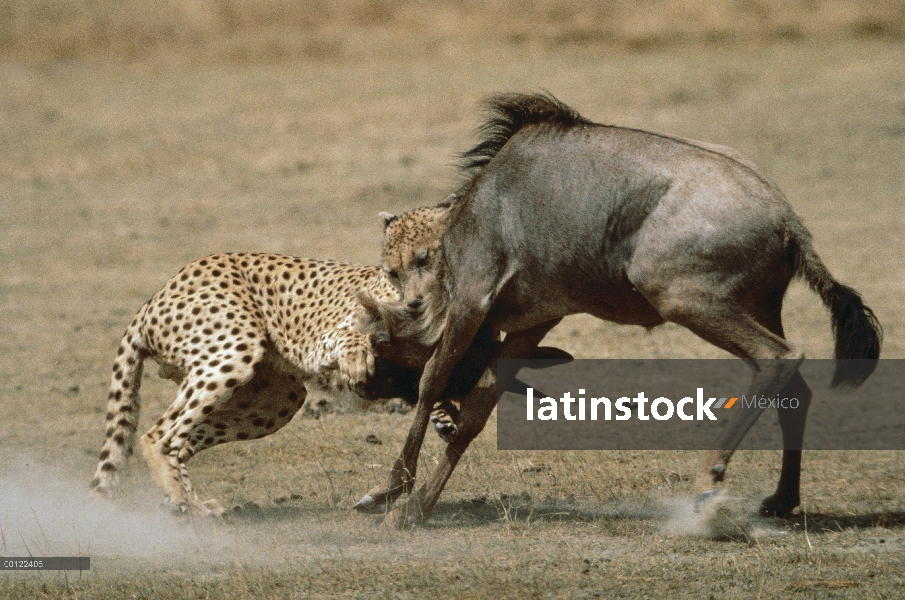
[703, 498]
[778, 507]
[369, 504]
[447, 432]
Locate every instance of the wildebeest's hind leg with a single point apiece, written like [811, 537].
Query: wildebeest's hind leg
[733, 327]
[476, 409]
[792, 421]
[786, 497]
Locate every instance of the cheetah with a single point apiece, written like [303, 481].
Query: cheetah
[243, 335]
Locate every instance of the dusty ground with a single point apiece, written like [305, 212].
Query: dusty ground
[113, 174]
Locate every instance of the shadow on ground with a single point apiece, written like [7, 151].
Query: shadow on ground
[824, 523]
[523, 508]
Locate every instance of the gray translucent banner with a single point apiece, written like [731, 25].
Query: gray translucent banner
[45, 563]
[683, 404]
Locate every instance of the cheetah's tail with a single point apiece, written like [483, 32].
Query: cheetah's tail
[123, 405]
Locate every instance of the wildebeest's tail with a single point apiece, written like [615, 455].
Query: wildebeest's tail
[857, 331]
[507, 114]
[123, 406]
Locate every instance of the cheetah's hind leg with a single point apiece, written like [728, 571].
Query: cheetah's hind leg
[260, 407]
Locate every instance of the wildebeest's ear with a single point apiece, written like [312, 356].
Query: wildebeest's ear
[386, 218]
[447, 201]
[368, 319]
[370, 309]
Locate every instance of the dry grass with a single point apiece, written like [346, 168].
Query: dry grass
[113, 174]
[280, 29]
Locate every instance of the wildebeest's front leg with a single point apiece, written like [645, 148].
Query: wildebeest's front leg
[462, 325]
[476, 410]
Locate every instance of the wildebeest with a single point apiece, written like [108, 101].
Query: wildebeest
[561, 215]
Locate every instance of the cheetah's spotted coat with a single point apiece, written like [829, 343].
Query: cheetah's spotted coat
[242, 334]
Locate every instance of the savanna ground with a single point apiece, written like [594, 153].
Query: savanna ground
[131, 144]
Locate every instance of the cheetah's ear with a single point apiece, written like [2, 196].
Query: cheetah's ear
[386, 218]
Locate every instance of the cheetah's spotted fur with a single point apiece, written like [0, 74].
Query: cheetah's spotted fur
[242, 334]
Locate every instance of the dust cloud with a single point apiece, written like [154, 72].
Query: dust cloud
[721, 517]
[46, 511]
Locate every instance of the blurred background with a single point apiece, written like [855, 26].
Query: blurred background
[273, 29]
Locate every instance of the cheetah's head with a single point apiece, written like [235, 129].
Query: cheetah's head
[412, 254]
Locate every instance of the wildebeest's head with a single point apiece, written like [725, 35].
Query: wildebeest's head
[412, 256]
[393, 331]
[398, 340]
[401, 352]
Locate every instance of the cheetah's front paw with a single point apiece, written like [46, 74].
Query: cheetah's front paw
[355, 368]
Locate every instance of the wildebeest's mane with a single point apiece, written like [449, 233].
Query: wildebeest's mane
[507, 114]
